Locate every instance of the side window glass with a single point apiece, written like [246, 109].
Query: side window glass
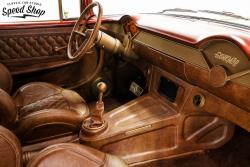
[70, 9]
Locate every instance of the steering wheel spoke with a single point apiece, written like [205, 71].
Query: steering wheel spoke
[80, 33]
[91, 46]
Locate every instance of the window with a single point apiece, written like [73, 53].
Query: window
[12, 11]
[70, 9]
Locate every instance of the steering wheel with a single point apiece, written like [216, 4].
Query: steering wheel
[81, 30]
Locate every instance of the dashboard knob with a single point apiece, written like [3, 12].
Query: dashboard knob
[218, 76]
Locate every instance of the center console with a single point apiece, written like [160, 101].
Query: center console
[170, 120]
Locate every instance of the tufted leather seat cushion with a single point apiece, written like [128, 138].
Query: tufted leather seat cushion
[10, 149]
[47, 111]
[72, 155]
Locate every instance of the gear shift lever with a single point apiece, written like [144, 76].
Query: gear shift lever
[97, 114]
[95, 123]
[102, 88]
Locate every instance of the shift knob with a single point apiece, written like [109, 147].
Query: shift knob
[102, 88]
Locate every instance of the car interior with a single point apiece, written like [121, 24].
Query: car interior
[123, 91]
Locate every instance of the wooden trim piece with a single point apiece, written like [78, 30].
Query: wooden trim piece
[232, 92]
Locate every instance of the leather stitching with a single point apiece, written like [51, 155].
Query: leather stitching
[31, 46]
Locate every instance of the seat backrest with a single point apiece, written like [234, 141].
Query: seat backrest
[10, 149]
[8, 111]
[5, 79]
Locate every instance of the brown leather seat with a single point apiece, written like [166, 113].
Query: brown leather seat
[8, 111]
[72, 155]
[47, 111]
[40, 111]
[60, 155]
[6, 79]
[10, 149]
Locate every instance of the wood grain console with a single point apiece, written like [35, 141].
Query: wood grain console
[151, 127]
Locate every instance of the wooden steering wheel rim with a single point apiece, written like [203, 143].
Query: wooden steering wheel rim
[89, 41]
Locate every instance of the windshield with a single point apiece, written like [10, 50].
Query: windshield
[235, 11]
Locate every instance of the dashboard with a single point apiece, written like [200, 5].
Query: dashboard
[212, 59]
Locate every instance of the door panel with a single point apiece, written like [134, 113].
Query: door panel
[27, 50]
[29, 54]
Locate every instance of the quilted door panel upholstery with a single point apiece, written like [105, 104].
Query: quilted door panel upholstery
[28, 47]
[26, 50]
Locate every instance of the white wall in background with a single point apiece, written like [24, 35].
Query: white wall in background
[240, 7]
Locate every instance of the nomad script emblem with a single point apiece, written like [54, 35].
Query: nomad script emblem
[226, 58]
[23, 9]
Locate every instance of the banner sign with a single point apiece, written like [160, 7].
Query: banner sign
[28, 10]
